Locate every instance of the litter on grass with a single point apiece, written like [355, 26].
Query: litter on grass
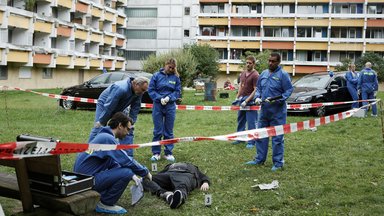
[273, 185]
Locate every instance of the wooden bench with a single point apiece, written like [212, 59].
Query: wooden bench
[77, 204]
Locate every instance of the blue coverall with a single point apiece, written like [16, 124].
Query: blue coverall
[112, 169]
[116, 98]
[352, 79]
[368, 84]
[273, 84]
[161, 86]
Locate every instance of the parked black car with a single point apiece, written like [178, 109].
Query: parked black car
[320, 87]
[94, 87]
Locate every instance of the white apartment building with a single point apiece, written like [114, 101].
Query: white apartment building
[57, 43]
[157, 26]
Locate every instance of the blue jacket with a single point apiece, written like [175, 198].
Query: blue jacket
[352, 80]
[116, 98]
[91, 163]
[274, 84]
[368, 81]
[163, 85]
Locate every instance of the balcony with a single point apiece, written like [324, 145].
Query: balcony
[346, 47]
[65, 3]
[213, 21]
[311, 46]
[41, 58]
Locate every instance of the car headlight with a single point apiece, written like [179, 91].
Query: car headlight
[304, 99]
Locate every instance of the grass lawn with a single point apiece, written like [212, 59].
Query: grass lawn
[337, 170]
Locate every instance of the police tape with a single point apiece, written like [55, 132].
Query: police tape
[17, 150]
[196, 107]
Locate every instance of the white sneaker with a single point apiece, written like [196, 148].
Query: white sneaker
[170, 158]
[373, 115]
[155, 157]
[115, 209]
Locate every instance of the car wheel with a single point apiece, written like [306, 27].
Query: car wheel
[68, 104]
[320, 111]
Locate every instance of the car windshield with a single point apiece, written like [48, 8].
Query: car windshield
[316, 81]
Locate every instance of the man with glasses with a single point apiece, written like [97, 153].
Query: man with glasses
[112, 170]
[245, 94]
[116, 98]
[273, 88]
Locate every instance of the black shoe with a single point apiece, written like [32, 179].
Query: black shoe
[177, 199]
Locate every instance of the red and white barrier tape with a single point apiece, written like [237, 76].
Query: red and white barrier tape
[195, 107]
[16, 150]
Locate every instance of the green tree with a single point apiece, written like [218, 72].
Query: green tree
[186, 63]
[344, 65]
[376, 60]
[30, 5]
[207, 61]
[261, 59]
[377, 63]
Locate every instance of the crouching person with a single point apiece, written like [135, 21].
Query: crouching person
[175, 182]
[112, 169]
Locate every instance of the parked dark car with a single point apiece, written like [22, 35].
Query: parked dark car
[320, 87]
[94, 87]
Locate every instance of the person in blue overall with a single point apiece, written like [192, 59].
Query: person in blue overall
[273, 83]
[368, 85]
[164, 89]
[352, 78]
[116, 98]
[244, 97]
[112, 170]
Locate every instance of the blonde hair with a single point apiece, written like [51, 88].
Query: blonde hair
[174, 62]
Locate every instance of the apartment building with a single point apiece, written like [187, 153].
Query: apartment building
[57, 43]
[157, 26]
[310, 35]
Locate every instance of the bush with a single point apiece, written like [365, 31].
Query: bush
[261, 59]
[207, 61]
[186, 63]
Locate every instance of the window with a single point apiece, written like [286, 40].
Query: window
[25, 73]
[141, 12]
[47, 73]
[137, 55]
[187, 11]
[208, 31]
[186, 33]
[140, 34]
[115, 77]
[3, 73]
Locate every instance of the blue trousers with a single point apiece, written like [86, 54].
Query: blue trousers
[366, 96]
[247, 117]
[268, 118]
[163, 120]
[353, 92]
[111, 184]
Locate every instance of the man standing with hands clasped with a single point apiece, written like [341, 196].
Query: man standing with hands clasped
[273, 89]
[247, 89]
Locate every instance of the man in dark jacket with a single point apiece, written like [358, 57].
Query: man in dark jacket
[175, 182]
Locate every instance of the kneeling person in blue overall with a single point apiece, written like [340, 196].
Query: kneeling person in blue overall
[112, 169]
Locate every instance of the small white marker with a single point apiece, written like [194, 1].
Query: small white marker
[208, 200]
[154, 167]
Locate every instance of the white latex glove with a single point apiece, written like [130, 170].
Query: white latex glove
[97, 125]
[258, 101]
[166, 99]
[267, 100]
[149, 176]
[243, 104]
[204, 186]
[375, 93]
[163, 102]
[136, 179]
